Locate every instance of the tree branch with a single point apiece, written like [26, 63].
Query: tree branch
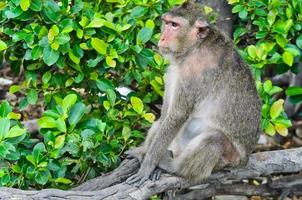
[111, 186]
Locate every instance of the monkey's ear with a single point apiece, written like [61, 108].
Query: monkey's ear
[188, 3]
[203, 28]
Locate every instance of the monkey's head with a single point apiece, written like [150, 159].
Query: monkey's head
[183, 27]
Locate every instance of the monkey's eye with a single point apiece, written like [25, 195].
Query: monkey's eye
[173, 24]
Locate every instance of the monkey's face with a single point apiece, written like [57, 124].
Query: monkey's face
[179, 36]
[172, 29]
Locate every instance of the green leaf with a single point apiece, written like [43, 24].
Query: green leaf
[52, 114]
[14, 88]
[99, 45]
[15, 116]
[5, 108]
[252, 51]
[47, 122]
[76, 113]
[270, 130]
[38, 152]
[286, 122]
[293, 91]
[50, 56]
[267, 86]
[110, 61]
[243, 13]
[138, 11]
[111, 96]
[63, 39]
[298, 42]
[237, 8]
[144, 35]
[42, 177]
[24, 4]
[36, 5]
[32, 96]
[53, 32]
[52, 11]
[104, 84]
[46, 77]
[73, 57]
[271, 17]
[106, 105]
[3, 46]
[69, 101]
[96, 23]
[137, 104]
[281, 129]
[59, 142]
[15, 132]
[61, 125]
[288, 58]
[274, 90]
[150, 117]
[281, 40]
[4, 127]
[36, 52]
[233, 1]
[63, 180]
[149, 24]
[126, 132]
[276, 108]
[31, 159]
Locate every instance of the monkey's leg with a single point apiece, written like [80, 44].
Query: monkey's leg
[200, 157]
[139, 152]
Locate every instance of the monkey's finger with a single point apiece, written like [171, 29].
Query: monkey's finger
[133, 179]
[129, 180]
[158, 174]
[153, 176]
[141, 182]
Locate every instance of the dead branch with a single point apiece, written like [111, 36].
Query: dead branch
[111, 186]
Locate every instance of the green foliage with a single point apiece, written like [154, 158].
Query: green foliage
[64, 46]
[77, 55]
[274, 32]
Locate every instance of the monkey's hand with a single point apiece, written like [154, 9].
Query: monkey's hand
[136, 153]
[155, 175]
[141, 176]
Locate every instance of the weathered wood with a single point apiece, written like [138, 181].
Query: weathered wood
[111, 186]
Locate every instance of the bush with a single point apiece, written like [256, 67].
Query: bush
[269, 34]
[77, 55]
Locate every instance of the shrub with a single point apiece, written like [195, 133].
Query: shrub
[269, 35]
[78, 55]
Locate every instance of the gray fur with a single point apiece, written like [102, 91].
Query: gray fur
[210, 106]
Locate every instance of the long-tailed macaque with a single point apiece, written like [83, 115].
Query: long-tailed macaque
[211, 110]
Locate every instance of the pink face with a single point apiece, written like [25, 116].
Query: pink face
[177, 30]
[170, 31]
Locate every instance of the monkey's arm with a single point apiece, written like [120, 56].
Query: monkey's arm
[139, 152]
[167, 131]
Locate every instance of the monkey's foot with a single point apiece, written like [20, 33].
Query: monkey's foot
[141, 176]
[137, 180]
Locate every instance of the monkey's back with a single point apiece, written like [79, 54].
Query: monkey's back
[232, 104]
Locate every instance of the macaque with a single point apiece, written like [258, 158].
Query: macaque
[211, 110]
